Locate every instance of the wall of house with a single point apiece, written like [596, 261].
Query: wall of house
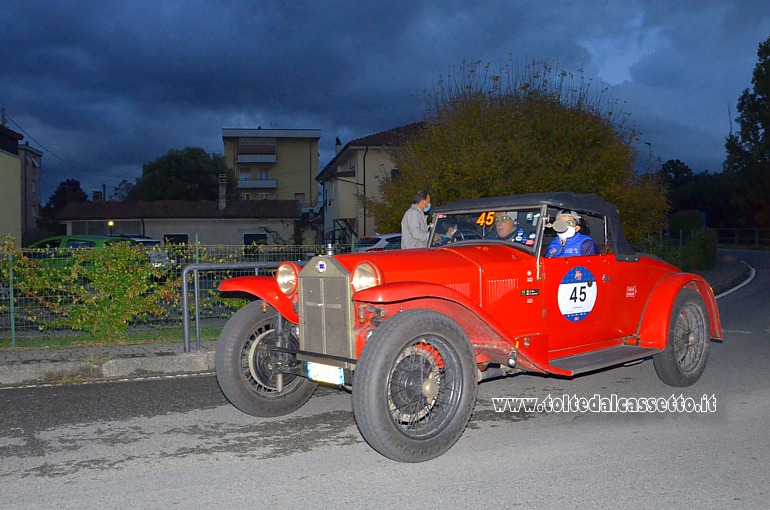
[372, 166]
[10, 195]
[30, 198]
[229, 232]
[296, 169]
[360, 166]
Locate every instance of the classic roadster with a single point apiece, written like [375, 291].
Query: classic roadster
[413, 332]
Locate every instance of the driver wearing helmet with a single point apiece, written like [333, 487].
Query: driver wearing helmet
[570, 242]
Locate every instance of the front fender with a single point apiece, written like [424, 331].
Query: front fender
[655, 320]
[266, 289]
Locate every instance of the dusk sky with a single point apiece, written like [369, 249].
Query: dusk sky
[103, 87]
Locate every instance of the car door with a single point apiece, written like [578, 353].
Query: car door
[577, 298]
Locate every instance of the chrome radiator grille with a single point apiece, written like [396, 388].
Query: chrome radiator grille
[325, 309]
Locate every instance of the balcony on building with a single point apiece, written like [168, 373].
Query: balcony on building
[256, 158]
[257, 183]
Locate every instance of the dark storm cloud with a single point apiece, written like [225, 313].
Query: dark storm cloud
[109, 86]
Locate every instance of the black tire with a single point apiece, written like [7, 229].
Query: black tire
[244, 366]
[683, 360]
[415, 386]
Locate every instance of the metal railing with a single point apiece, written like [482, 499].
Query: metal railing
[196, 269]
[744, 237]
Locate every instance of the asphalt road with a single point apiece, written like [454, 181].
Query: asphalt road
[167, 443]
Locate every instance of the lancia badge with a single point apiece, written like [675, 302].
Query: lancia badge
[321, 266]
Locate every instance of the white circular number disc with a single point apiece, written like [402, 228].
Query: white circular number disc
[577, 294]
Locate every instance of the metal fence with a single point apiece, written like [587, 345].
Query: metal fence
[25, 315]
[744, 237]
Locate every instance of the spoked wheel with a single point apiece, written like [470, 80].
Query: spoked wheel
[247, 365]
[415, 386]
[683, 360]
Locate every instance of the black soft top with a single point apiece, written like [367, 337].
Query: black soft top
[581, 203]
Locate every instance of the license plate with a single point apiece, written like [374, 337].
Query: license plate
[325, 373]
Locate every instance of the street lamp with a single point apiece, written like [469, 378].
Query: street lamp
[110, 224]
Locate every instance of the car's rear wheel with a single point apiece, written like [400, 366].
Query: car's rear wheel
[683, 360]
[415, 386]
[247, 367]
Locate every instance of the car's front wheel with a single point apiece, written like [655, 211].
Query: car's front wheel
[248, 367]
[683, 360]
[415, 386]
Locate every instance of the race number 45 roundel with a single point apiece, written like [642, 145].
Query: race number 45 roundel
[577, 294]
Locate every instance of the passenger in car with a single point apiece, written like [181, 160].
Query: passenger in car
[569, 241]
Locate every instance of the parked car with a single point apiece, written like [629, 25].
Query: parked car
[379, 242]
[157, 255]
[412, 332]
[59, 249]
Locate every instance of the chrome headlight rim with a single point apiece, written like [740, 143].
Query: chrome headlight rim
[365, 275]
[287, 276]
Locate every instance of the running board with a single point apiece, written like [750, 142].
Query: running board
[603, 358]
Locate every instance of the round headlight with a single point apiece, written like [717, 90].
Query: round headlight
[287, 276]
[365, 275]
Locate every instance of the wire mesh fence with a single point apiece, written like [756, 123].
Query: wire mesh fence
[44, 291]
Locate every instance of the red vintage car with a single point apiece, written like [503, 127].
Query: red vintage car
[413, 332]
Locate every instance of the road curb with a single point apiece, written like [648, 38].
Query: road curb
[120, 368]
[161, 365]
[43, 373]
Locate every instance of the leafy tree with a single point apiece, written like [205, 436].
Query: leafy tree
[675, 173]
[540, 129]
[189, 174]
[123, 191]
[748, 151]
[68, 191]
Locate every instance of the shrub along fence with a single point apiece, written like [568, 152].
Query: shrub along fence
[104, 291]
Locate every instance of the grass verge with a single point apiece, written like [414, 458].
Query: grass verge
[143, 336]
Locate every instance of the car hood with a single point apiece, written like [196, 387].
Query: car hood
[463, 266]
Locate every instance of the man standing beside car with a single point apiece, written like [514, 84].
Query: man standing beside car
[414, 225]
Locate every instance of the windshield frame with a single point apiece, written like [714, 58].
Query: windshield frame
[530, 220]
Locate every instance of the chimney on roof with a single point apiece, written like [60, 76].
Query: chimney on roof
[222, 192]
[337, 146]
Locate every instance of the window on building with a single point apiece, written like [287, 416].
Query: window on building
[258, 239]
[264, 175]
[245, 196]
[245, 175]
[264, 196]
[176, 238]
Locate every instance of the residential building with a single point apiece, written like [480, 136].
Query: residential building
[11, 189]
[31, 160]
[356, 171]
[208, 222]
[274, 164]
